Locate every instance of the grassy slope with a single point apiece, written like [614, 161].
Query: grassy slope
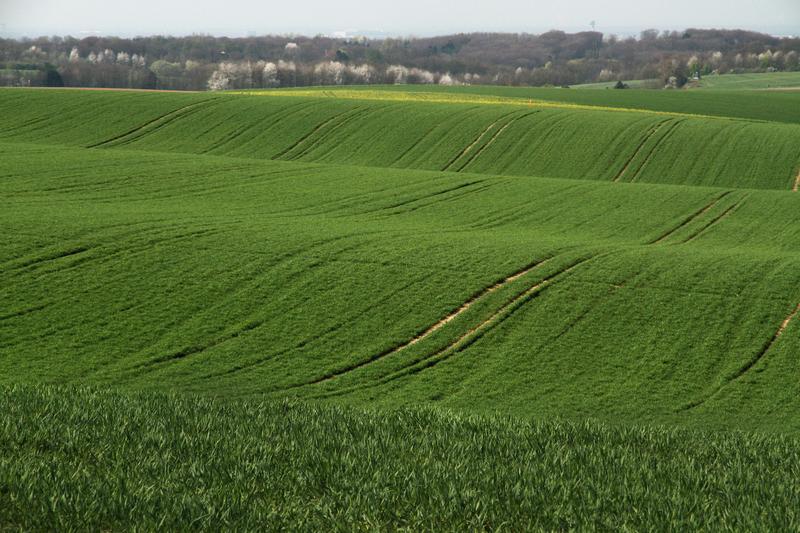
[632, 84]
[278, 275]
[771, 80]
[78, 459]
[737, 82]
[474, 137]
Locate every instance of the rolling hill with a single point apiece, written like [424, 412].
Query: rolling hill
[479, 256]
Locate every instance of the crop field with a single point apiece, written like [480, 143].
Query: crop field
[771, 80]
[771, 106]
[738, 82]
[105, 461]
[500, 270]
[478, 136]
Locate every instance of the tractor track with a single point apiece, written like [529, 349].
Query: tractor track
[690, 218]
[435, 326]
[761, 355]
[651, 132]
[158, 122]
[466, 150]
[462, 342]
[716, 220]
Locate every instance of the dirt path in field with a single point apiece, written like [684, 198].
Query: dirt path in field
[434, 327]
[505, 311]
[466, 339]
[692, 217]
[750, 364]
[796, 182]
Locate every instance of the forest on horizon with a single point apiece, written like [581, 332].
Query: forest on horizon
[554, 58]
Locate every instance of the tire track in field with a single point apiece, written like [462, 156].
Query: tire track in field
[655, 148]
[23, 312]
[612, 290]
[282, 114]
[322, 150]
[591, 307]
[319, 141]
[243, 281]
[716, 219]
[61, 254]
[796, 185]
[462, 342]
[25, 125]
[499, 316]
[511, 213]
[690, 218]
[465, 340]
[466, 150]
[549, 124]
[19, 261]
[424, 197]
[436, 326]
[760, 355]
[457, 119]
[493, 139]
[649, 135]
[132, 250]
[158, 122]
[302, 140]
[438, 200]
[317, 336]
[414, 145]
[249, 325]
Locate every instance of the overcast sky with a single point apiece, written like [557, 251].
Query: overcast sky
[396, 17]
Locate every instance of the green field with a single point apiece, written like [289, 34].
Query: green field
[535, 263]
[632, 84]
[82, 460]
[772, 106]
[771, 80]
[738, 82]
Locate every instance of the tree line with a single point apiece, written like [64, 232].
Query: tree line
[201, 62]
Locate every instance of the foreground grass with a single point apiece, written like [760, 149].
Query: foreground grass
[87, 459]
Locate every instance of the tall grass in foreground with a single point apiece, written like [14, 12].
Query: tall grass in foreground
[87, 459]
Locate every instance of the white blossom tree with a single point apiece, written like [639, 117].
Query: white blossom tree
[329, 73]
[269, 75]
[361, 74]
[418, 75]
[219, 81]
[791, 60]
[397, 74]
[446, 79]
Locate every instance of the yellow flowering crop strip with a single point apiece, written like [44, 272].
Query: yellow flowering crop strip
[430, 97]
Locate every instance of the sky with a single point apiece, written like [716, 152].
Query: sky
[386, 17]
